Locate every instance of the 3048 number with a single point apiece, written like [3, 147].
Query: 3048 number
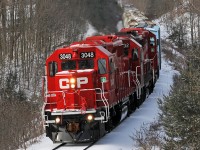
[87, 55]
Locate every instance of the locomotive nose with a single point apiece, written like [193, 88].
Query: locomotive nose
[73, 88]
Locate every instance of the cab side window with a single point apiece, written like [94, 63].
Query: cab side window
[135, 54]
[53, 68]
[152, 41]
[112, 68]
[102, 66]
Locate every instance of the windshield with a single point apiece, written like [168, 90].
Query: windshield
[86, 64]
[68, 65]
[82, 64]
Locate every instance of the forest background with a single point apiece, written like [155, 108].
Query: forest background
[30, 30]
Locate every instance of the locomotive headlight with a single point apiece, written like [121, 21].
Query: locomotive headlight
[90, 117]
[72, 80]
[72, 85]
[57, 120]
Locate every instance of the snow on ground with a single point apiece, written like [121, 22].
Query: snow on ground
[119, 138]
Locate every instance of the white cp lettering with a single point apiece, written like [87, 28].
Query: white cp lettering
[82, 80]
[64, 83]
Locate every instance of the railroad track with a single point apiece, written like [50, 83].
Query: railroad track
[63, 144]
[57, 147]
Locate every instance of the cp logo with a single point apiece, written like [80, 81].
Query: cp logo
[65, 83]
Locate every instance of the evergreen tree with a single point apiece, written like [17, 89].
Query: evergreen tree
[181, 109]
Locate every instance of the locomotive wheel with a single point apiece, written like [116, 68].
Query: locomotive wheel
[132, 104]
[117, 117]
[109, 125]
[147, 92]
[151, 87]
[158, 73]
[143, 95]
[137, 102]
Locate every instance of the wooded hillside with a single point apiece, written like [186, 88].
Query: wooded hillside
[30, 30]
[178, 124]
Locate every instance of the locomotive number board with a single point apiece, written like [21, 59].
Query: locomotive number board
[87, 55]
[126, 45]
[65, 56]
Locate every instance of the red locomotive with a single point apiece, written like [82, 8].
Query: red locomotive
[91, 85]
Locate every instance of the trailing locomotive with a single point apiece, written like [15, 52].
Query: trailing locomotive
[92, 85]
[133, 18]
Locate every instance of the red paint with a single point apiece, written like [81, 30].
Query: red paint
[117, 51]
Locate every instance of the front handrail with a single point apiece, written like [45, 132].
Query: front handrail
[105, 103]
[102, 94]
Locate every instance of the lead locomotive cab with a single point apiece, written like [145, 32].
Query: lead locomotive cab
[76, 105]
